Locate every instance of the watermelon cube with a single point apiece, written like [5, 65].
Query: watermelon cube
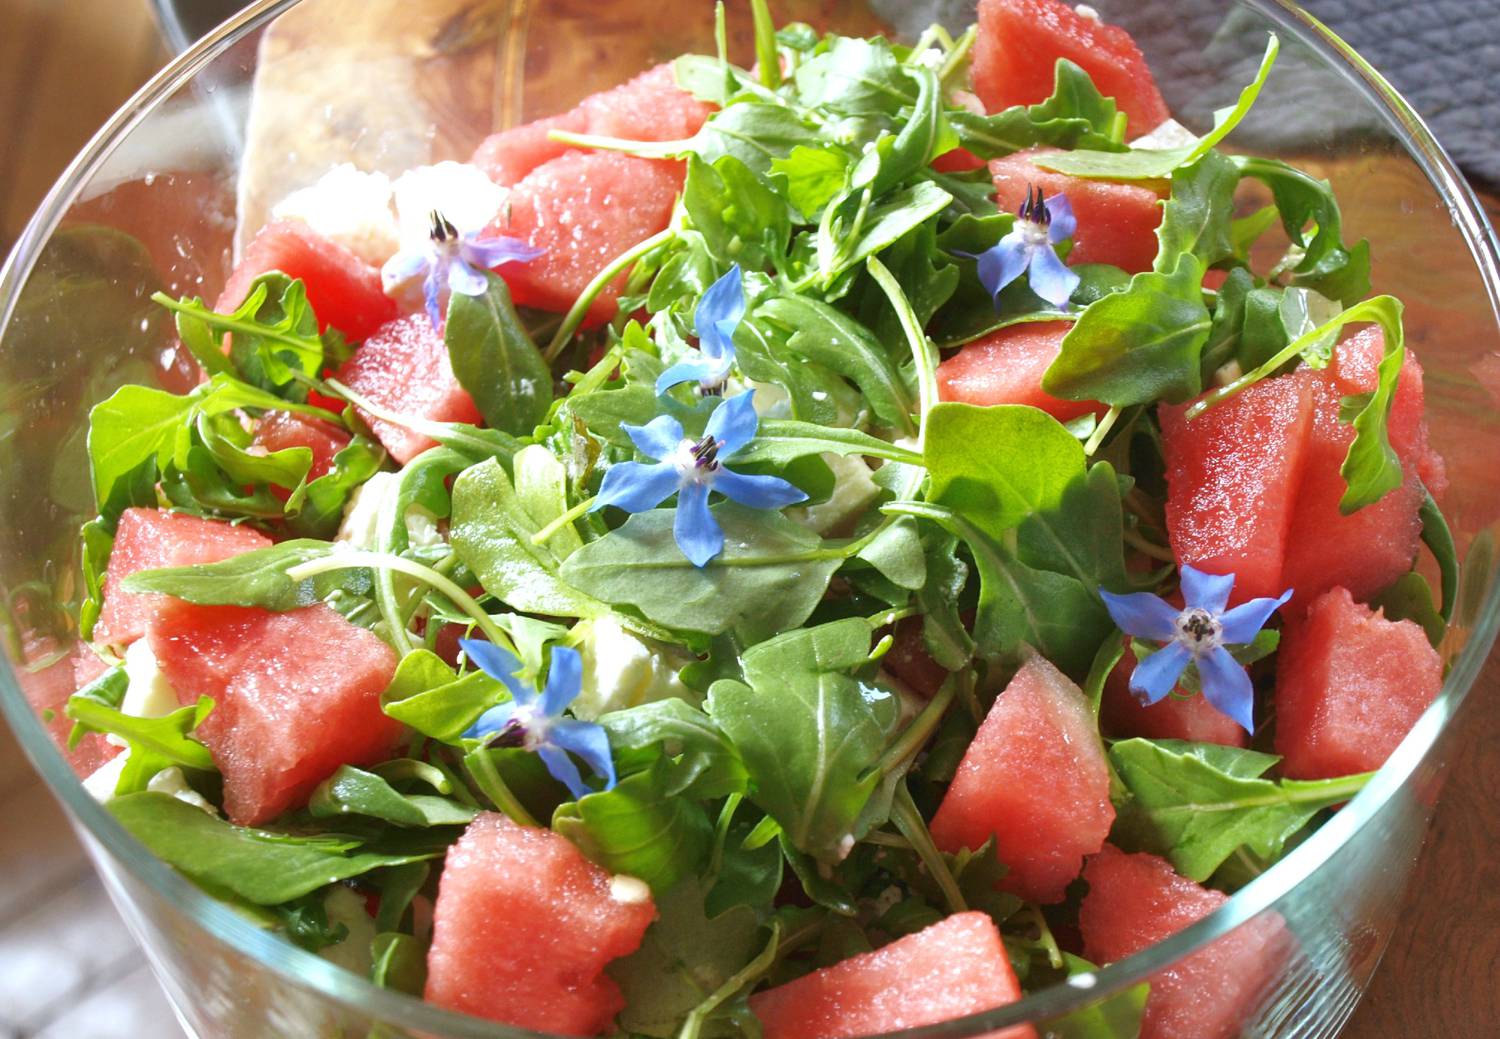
[1368, 549]
[1135, 901]
[147, 539]
[949, 970]
[650, 107]
[343, 289]
[279, 430]
[1350, 684]
[1232, 474]
[1116, 222]
[584, 209]
[1036, 780]
[296, 695]
[1006, 367]
[1175, 717]
[1019, 42]
[47, 690]
[524, 926]
[404, 368]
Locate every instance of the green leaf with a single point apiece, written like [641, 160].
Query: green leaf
[1118, 1017]
[739, 216]
[779, 442]
[1196, 804]
[898, 554]
[1143, 164]
[326, 497]
[491, 532]
[1196, 216]
[1410, 599]
[1076, 115]
[813, 176]
[771, 575]
[997, 465]
[809, 731]
[1137, 346]
[923, 134]
[1082, 534]
[399, 963]
[897, 214]
[264, 867]
[1322, 262]
[1439, 541]
[353, 791]
[154, 743]
[747, 876]
[495, 360]
[756, 134]
[256, 578]
[640, 830]
[131, 435]
[855, 77]
[705, 764]
[426, 695]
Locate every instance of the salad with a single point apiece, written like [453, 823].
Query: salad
[804, 550]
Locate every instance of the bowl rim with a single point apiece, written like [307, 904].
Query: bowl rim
[301, 969]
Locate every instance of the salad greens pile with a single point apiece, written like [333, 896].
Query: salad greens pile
[776, 796]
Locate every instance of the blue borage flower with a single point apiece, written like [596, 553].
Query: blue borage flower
[717, 315]
[452, 261]
[1195, 634]
[535, 720]
[1029, 249]
[692, 468]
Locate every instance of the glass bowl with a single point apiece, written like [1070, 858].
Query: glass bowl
[268, 101]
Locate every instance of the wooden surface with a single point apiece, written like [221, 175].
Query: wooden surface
[70, 971]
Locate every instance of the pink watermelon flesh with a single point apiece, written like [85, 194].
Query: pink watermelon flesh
[1006, 367]
[1367, 550]
[1116, 222]
[650, 107]
[404, 368]
[344, 290]
[1231, 477]
[1191, 718]
[523, 928]
[279, 430]
[1135, 901]
[951, 969]
[1036, 780]
[1350, 684]
[48, 688]
[584, 209]
[148, 539]
[910, 662]
[1020, 41]
[296, 695]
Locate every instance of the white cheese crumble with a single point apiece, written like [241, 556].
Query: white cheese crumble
[628, 890]
[360, 528]
[1170, 134]
[620, 671]
[350, 207]
[1086, 11]
[101, 783]
[853, 491]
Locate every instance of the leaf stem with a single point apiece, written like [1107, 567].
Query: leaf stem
[229, 324]
[1046, 937]
[921, 348]
[1101, 430]
[957, 55]
[915, 736]
[544, 535]
[487, 777]
[580, 308]
[378, 560]
[909, 821]
[751, 972]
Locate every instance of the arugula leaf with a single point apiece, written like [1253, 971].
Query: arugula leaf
[154, 743]
[809, 732]
[1114, 1018]
[1196, 216]
[1076, 115]
[263, 867]
[428, 696]
[896, 215]
[353, 791]
[639, 829]
[855, 77]
[1137, 346]
[1325, 263]
[132, 434]
[705, 764]
[779, 442]
[495, 360]
[255, 578]
[1082, 535]
[739, 216]
[491, 532]
[1145, 164]
[747, 876]
[1196, 804]
[923, 135]
[773, 572]
[813, 177]
[756, 134]
[399, 962]
[1410, 598]
[1439, 541]
[325, 497]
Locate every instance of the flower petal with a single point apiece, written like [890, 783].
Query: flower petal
[1243, 622]
[1064, 223]
[465, 280]
[1143, 615]
[636, 486]
[490, 253]
[499, 664]
[1205, 591]
[696, 531]
[403, 267]
[491, 721]
[700, 369]
[1227, 687]
[590, 744]
[564, 680]
[659, 439]
[1154, 677]
[719, 312]
[563, 770]
[432, 290]
[758, 492]
[1051, 280]
[1004, 262]
[733, 423]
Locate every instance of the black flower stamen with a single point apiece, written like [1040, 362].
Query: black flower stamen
[442, 229]
[706, 453]
[512, 734]
[1199, 625]
[1034, 208]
